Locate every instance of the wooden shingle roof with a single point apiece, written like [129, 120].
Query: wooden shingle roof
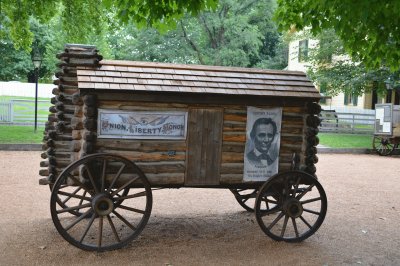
[162, 77]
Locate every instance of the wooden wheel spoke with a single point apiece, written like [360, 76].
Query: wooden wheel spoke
[310, 200]
[295, 227]
[136, 195]
[77, 220]
[305, 191]
[73, 195]
[87, 228]
[284, 225]
[275, 221]
[116, 178]
[74, 208]
[100, 231]
[70, 195]
[79, 183]
[91, 179]
[131, 209]
[113, 228]
[124, 186]
[124, 220]
[311, 211]
[305, 222]
[296, 186]
[84, 194]
[103, 175]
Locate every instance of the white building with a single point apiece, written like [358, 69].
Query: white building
[298, 52]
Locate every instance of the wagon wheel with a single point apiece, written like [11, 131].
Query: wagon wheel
[383, 146]
[245, 197]
[111, 197]
[297, 206]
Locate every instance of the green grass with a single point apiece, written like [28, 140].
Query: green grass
[20, 134]
[345, 140]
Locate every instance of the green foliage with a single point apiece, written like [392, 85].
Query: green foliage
[79, 17]
[369, 29]
[332, 67]
[235, 34]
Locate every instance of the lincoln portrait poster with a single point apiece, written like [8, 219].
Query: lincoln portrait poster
[263, 135]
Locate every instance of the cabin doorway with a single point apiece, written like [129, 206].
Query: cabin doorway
[204, 146]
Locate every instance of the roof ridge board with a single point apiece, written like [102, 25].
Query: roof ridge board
[195, 67]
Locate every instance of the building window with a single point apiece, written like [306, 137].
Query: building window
[322, 91]
[303, 50]
[350, 99]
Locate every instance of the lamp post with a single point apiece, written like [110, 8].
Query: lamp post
[37, 61]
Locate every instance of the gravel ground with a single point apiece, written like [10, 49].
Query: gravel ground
[208, 227]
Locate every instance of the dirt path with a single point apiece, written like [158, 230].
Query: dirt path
[208, 227]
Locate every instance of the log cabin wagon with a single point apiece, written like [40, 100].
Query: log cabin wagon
[120, 129]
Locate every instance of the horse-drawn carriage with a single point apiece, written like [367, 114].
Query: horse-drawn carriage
[387, 128]
[120, 129]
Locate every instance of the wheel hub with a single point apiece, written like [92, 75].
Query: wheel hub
[293, 208]
[102, 205]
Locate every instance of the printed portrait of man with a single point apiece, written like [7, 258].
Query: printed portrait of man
[262, 134]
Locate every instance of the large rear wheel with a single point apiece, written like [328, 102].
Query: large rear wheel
[105, 201]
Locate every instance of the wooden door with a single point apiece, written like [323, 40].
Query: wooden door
[204, 147]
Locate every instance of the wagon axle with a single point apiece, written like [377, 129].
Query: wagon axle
[293, 208]
[102, 204]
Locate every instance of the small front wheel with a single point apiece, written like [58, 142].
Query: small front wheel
[106, 200]
[296, 206]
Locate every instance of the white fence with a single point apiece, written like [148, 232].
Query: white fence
[22, 112]
[344, 122]
[25, 89]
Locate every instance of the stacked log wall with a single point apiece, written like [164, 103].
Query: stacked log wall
[62, 142]
[164, 161]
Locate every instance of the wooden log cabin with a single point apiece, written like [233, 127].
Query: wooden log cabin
[211, 101]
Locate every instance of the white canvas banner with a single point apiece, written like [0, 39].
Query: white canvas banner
[263, 137]
[141, 124]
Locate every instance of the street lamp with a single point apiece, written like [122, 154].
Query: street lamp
[37, 61]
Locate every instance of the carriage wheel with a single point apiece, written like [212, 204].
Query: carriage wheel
[382, 145]
[296, 203]
[109, 202]
[246, 198]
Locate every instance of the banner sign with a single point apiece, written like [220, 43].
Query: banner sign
[263, 137]
[141, 124]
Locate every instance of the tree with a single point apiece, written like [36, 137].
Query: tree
[369, 29]
[234, 34]
[82, 16]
